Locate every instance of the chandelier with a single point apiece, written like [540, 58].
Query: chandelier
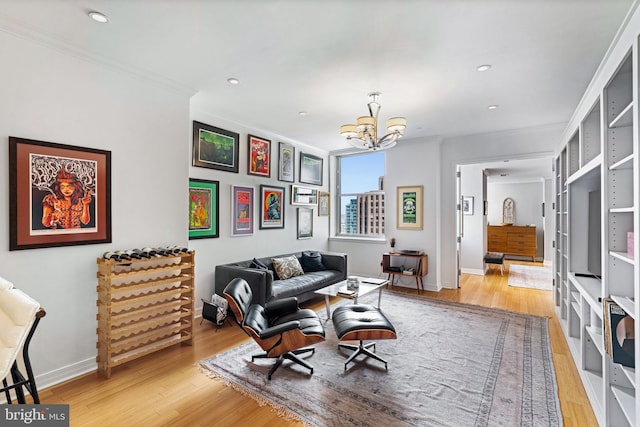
[364, 134]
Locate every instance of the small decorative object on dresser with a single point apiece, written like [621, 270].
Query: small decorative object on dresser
[508, 211]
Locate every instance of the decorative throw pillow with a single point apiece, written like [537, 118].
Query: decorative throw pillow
[287, 267]
[256, 263]
[312, 261]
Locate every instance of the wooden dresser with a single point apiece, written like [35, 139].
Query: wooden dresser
[512, 240]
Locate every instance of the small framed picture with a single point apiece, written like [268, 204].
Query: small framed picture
[286, 162]
[305, 196]
[271, 207]
[242, 211]
[467, 205]
[323, 203]
[310, 169]
[259, 156]
[305, 223]
[204, 209]
[215, 148]
[59, 195]
[409, 202]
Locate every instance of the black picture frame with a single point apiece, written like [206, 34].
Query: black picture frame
[215, 148]
[40, 215]
[204, 209]
[272, 207]
[310, 169]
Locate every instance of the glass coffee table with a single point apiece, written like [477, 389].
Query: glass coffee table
[367, 285]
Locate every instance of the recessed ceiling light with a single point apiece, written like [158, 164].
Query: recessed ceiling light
[233, 81]
[483, 67]
[98, 17]
[303, 113]
[492, 107]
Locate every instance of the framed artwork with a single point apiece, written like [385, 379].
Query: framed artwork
[242, 211]
[305, 196]
[259, 156]
[271, 207]
[215, 148]
[204, 209]
[323, 203]
[305, 223]
[59, 195]
[310, 169]
[286, 162]
[467, 205]
[409, 201]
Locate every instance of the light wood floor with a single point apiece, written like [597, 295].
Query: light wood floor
[168, 389]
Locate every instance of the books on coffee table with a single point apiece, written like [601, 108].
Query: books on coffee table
[347, 292]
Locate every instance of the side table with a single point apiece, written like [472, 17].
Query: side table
[419, 263]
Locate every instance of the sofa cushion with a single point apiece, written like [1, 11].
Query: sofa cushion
[287, 267]
[312, 261]
[256, 263]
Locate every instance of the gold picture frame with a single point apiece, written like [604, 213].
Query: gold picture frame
[409, 201]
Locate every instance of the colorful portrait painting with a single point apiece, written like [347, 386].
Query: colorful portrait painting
[272, 207]
[259, 156]
[203, 208]
[59, 195]
[242, 210]
[62, 195]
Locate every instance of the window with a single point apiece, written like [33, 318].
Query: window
[360, 179]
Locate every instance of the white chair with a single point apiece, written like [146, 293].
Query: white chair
[19, 316]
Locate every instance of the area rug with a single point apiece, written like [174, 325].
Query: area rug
[530, 276]
[452, 365]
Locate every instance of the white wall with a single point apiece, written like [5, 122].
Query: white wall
[51, 96]
[528, 198]
[411, 162]
[472, 245]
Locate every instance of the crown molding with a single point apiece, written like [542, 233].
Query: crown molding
[31, 35]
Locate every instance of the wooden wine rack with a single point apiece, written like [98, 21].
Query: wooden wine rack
[143, 306]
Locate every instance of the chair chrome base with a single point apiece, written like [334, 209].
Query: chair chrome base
[292, 356]
[362, 349]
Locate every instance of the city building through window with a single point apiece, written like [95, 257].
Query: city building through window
[361, 194]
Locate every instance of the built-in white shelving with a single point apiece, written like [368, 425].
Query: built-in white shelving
[596, 200]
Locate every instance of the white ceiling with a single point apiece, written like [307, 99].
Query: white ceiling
[324, 57]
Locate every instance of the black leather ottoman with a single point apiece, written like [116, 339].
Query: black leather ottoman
[360, 322]
[495, 258]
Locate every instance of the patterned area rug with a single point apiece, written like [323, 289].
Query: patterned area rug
[452, 365]
[530, 276]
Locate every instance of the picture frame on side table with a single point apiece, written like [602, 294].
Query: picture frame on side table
[272, 201]
[215, 148]
[242, 210]
[42, 214]
[259, 156]
[409, 207]
[305, 223]
[310, 169]
[467, 205]
[286, 162]
[324, 203]
[204, 209]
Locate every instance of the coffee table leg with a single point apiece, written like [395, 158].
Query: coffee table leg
[379, 296]
[326, 301]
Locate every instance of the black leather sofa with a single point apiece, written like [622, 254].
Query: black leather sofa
[266, 286]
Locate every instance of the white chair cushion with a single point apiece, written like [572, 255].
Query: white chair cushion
[17, 315]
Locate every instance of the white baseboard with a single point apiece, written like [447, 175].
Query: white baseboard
[476, 271]
[66, 373]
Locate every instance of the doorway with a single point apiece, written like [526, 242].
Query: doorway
[485, 186]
